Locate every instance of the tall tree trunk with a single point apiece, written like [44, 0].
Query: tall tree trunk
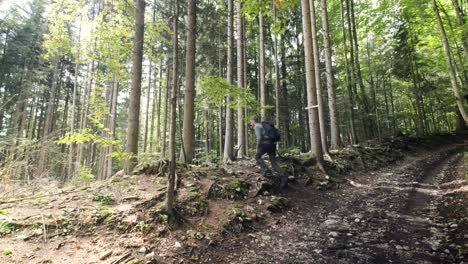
[448, 58]
[461, 20]
[48, 119]
[277, 74]
[318, 84]
[334, 126]
[156, 110]
[261, 45]
[133, 120]
[71, 147]
[311, 85]
[187, 152]
[166, 108]
[244, 59]
[240, 82]
[112, 123]
[284, 106]
[368, 124]
[228, 148]
[84, 111]
[172, 127]
[148, 98]
[349, 79]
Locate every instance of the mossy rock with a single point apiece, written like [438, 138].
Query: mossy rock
[195, 204]
[234, 190]
[237, 189]
[278, 204]
[237, 221]
[154, 168]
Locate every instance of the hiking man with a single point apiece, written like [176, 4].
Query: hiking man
[267, 136]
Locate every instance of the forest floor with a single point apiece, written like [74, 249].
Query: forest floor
[402, 200]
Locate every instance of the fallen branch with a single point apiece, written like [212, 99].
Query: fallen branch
[151, 202]
[124, 257]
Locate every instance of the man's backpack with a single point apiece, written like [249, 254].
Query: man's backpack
[271, 133]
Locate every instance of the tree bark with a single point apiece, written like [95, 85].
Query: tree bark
[71, 154]
[187, 152]
[112, 122]
[240, 82]
[133, 120]
[172, 127]
[166, 109]
[48, 119]
[349, 82]
[284, 106]
[277, 74]
[311, 85]
[228, 148]
[318, 84]
[461, 20]
[148, 95]
[261, 44]
[448, 58]
[334, 126]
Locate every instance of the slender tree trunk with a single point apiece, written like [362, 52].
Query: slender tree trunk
[187, 153]
[156, 110]
[284, 106]
[368, 124]
[318, 84]
[261, 44]
[461, 20]
[133, 120]
[71, 147]
[311, 85]
[172, 134]
[48, 120]
[166, 109]
[334, 126]
[448, 58]
[349, 84]
[240, 82]
[84, 111]
[158, 131]
[148, 98]
[228, 141]
[112, 123]
[277, 75]
[244, 56]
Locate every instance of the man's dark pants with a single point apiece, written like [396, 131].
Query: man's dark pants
[270, 149]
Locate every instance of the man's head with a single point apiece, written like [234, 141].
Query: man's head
[253, 120]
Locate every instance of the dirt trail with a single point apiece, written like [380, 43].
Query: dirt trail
[415, 211]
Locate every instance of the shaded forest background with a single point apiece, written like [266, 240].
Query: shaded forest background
[88, 87]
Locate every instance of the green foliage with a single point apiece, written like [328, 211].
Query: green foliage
[61, 14]
[85, 174]
[103, 199]
[6, 225]
[215, 89]
[7, 251]
[142, 227]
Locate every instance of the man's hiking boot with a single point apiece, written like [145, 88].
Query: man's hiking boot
[283, 182]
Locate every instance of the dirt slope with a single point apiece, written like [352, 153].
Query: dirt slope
[415, 211]
[400, 201]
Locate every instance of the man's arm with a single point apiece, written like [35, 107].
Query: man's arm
[258, 132]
